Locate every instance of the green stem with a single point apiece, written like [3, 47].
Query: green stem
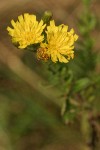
[88, 131]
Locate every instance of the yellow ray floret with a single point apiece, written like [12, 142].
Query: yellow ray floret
[26, 31]
[60, 42]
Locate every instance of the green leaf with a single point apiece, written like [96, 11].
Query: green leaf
[81, 84]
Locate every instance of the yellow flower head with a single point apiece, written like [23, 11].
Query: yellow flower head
[26, 31]
[60, 42]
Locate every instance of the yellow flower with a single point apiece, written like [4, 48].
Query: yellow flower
[60, 42]
[26, 31]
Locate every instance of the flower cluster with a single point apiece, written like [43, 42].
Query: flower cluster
[55, 42]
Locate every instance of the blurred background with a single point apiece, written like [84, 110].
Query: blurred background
[30, 112]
